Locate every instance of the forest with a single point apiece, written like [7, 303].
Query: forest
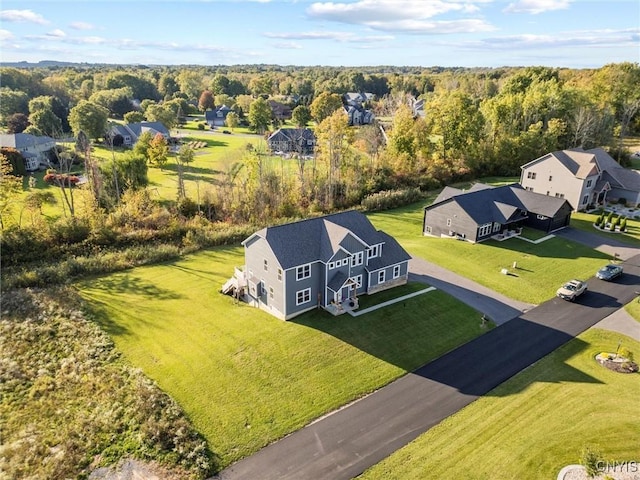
[473, 123]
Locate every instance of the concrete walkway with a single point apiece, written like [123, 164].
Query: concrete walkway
[494, 305]
[357, 313]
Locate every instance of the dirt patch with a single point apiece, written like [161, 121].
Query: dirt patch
[130, 469]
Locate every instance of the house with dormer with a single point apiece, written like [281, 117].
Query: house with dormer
[292, 140]
[217, 117]
[325, 262]
[128, 134]
[483, 212]
[33, 148]
[584, 178]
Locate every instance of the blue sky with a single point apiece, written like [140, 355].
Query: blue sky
[449, 33]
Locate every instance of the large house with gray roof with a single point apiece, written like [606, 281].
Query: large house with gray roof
[324, 262]
[129, 133]
[483, 212]
[33, 148]
[584, 178]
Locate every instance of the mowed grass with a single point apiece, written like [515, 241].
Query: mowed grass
[246, 378]
[534, 424]
[584, 221]
[542, 268]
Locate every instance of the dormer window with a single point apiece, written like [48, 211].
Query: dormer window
[374, 251]
[589, 182]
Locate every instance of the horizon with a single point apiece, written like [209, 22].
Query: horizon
[341, 33]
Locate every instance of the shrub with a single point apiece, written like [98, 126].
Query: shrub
[609, 217]
[387, 199]
[612, 227]
[201, 126]
[617, 221]
[590, 459]
[598, 221]
[625, 353]
[623, 225]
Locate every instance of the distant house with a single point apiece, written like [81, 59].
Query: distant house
[217, 117]
[292, 140]
[34, 149]
[417, 107]
[354, 107]
[323, 262]
[129, 133]
[280, 111]
[484, 211]
[583, 177]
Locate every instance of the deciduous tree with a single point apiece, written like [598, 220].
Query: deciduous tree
[324, 105]
[89, 118]
[260, 115]
[301, 116]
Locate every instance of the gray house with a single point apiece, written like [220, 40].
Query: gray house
[483, 212]
[129, 133]
[217, 117]
[324, 262]
[584, 177]
[292, 140]
[34, 149]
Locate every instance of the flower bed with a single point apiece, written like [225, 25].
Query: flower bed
[616, 363]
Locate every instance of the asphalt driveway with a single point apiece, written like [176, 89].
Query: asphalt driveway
[609, 245]
[345, 443]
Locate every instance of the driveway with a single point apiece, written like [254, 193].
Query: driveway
[609, 245]
[494, 305]
[345, 443]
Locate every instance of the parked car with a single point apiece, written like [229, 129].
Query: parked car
[226, 132]
[572, 290]
[609, 272]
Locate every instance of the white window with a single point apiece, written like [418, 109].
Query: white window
[373, 251]
[266, 265]
[589, 183]
[530, 189]
[279, 274]
[560, 195]
[357, 259]
[263, 288]
[396, 271]
[496, 227]
[541, 217]
[550, 177]
[448, 222]
[531, 175]
[345, 262]
[332, 265]
[358, 280]
[381, 276]
[428, 229]
[270, 292]
[585, 199]
[484, 230]
[303, 272]
[303, 296]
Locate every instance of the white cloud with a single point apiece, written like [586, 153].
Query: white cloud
[57, 33]
[22, 16]
[81, 26]
[535, 7]
[287, 45]
[403, 16]
[337, 36]
[6, 35]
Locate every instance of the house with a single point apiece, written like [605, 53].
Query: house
[484, 211]
[217, 117]
[292, 140]
[34, 149]
[353, 103]
[324, 262]
[584, 177]
[129, 133]
[280, 111]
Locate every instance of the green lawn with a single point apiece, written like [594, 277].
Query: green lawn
[585, 221]
[245, 378]
[541, 268]
[633, 308]
[534, 424]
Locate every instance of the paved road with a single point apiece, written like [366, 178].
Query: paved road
[496, 306]
[610, 245]
[344, 444]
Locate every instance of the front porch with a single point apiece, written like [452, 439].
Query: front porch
[507, 234]
[346, 306]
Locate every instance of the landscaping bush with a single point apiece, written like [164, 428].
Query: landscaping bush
[623, 225]
[609, 217]
[591, 459]
[201, 126]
